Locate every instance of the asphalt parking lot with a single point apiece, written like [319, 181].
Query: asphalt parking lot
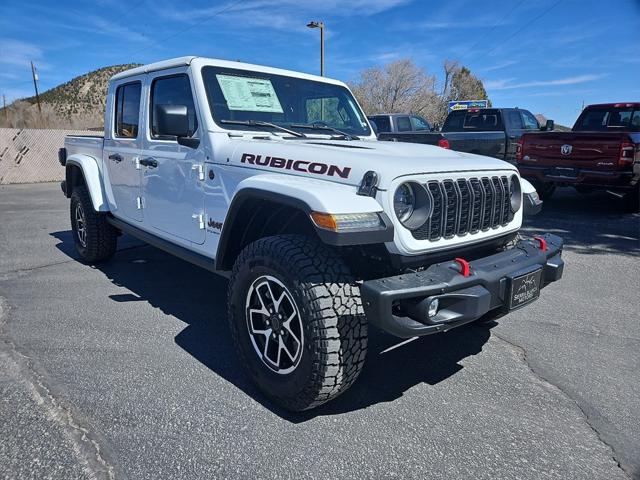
[126, 370]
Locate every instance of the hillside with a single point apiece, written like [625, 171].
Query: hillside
[78, 103]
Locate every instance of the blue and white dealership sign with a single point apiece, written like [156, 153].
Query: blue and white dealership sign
[466, 104]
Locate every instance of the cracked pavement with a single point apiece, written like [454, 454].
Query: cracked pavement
[126, 370]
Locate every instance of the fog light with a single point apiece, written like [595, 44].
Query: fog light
[433, 308]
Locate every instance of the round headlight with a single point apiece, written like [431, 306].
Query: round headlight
[515, 193]
[412, 205]
[404, 202]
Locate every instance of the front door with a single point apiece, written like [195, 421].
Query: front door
[121, 148]
[172, 174]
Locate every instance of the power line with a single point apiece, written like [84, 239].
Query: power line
[482, 37]
[535, 19]
[200, 22]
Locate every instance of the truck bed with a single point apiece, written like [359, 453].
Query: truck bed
[86, 144]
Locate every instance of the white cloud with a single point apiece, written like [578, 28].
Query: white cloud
[17, 53]
[506, 84]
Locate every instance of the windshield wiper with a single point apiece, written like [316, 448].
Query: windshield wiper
[260, 123]
[317, 126]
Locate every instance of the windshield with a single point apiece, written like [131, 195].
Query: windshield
[607, 119]
[241, 95]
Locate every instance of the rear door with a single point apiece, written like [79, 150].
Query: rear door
[172, 174]
[121, 147]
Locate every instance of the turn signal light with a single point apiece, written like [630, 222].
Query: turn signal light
[345, 222]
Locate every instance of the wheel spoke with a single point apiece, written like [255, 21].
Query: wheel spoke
[264, 309]
[283, 346]
[263, 312]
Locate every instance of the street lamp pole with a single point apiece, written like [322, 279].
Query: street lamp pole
[319, 25]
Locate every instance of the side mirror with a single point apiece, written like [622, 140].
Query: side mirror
[548, 126]
[374, 126]
[173, 121]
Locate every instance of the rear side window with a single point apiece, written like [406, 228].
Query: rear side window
[403, 124]
[604, 119]
[383, 123]
[515, 119]
[174, 90]
[127, 110]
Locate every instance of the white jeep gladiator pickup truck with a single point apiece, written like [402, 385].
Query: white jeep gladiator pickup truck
[275, 179]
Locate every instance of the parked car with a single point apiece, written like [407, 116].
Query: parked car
[275, 180]
[602, 152]
[493, 132]
[490, 131]
[403, 127]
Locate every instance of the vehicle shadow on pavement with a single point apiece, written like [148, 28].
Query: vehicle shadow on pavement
[592, 223]
[198, 298]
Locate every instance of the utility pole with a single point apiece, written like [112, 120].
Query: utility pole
[35, 85]
[4, 107]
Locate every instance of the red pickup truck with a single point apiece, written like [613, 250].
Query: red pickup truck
[601, 152]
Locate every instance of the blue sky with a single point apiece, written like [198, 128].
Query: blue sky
[545, 55]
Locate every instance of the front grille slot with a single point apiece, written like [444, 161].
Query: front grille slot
[462, 206]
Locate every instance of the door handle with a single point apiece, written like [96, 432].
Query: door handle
[149, 162]
[116, 157]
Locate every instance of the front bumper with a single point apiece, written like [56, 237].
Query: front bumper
[397, 304]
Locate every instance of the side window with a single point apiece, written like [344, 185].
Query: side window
[515, 120]
[420, 123]
[403, 124]
[635, 120]
[530, 122]
[383, 123]
[175, 90]
[127, 111]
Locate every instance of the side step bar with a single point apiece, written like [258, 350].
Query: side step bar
[176, 250]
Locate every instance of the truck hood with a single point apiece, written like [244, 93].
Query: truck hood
[347, 161]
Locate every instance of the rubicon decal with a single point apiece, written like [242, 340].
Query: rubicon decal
[317, 168]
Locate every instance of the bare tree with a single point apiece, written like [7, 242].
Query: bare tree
[403, 87]
[400, 86]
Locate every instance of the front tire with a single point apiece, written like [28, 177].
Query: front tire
[296, 318]
[95, 239]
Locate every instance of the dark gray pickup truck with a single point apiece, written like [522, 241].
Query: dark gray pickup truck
[493, 132]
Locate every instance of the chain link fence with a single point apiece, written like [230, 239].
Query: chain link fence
[30, 155]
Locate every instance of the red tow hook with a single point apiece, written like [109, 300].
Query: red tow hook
[542, 243]
[465, 269]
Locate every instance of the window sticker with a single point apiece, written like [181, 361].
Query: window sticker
[245, 93]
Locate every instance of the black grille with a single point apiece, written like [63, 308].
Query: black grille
[465, 206]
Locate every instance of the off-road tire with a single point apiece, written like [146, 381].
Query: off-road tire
[101, 238]
[333, 321]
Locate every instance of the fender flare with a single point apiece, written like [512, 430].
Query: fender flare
[253, 191]
[93, 179]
